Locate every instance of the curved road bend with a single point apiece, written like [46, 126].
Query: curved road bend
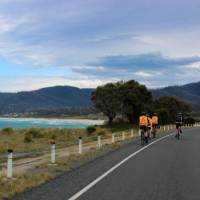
[167, 170]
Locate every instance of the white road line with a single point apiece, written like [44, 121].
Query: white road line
[93, 183]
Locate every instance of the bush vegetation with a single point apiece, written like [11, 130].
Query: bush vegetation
[8, 130]
[90, 129]
[129, 99]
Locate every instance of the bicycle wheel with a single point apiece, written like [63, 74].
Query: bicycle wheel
[142, 138]
[178, 135]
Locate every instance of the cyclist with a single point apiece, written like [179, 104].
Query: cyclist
[179, 123]
[143, 123]
[149, 126]
[154, 124]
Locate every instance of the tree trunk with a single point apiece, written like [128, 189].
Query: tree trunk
[110, 119]
[130, 118]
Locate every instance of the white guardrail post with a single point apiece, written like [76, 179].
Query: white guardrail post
[123, 135]
[80, 145]
[132, 133]
[197, 124]
[10, 164]
[99, 141]
[53, 152]
[139, 132]
[113, 137]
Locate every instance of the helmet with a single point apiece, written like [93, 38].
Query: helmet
[154, 114]
[143, 113]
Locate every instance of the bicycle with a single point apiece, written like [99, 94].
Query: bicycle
[154, 132]
[178, 132]
[144, 137]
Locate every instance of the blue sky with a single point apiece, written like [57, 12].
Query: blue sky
[92, 42]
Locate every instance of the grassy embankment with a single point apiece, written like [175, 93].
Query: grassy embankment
[34, 140]
[38, 139]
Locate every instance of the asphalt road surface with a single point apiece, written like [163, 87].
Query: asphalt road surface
[168, 169]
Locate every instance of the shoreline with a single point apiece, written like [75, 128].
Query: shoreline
[79, 117]
[60, 119]
[23, 122]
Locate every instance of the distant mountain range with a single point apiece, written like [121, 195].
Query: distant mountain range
[50, 98]
[62, 97]
[189, 93]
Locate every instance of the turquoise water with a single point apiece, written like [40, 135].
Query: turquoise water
[44, 123]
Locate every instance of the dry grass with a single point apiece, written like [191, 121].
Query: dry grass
[16, 140]
[31, 140]
[9, 188]
[45, 172]
[35, 140]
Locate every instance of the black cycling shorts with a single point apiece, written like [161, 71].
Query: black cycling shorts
[155, 125]
[178, 125]
[144, 128]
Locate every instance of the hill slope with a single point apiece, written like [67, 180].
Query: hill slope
[189, 93]
[59, 97]
[46, 98]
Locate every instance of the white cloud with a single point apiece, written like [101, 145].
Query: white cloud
[12, 84]
[146, 74]
[47, 33]
[193, 66]
[178, 42]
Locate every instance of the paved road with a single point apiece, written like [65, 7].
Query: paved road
[166, 170]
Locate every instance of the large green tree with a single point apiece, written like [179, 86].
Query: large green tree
[133, 97]
[123, 98]
[105, 100]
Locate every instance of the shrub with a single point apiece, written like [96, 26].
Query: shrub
[8, 130]
[90, 130]
[189, 120]
[35, 133]
[53, 136]
[102, 133]
[28, 138]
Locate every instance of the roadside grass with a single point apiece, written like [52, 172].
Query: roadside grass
[9, 188]
[117, 127]
[31, 140]
[38, 139]
[45, 172]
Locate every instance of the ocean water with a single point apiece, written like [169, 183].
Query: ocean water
[46, 123]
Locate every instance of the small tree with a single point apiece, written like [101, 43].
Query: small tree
[172, 106]
[163, 116]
